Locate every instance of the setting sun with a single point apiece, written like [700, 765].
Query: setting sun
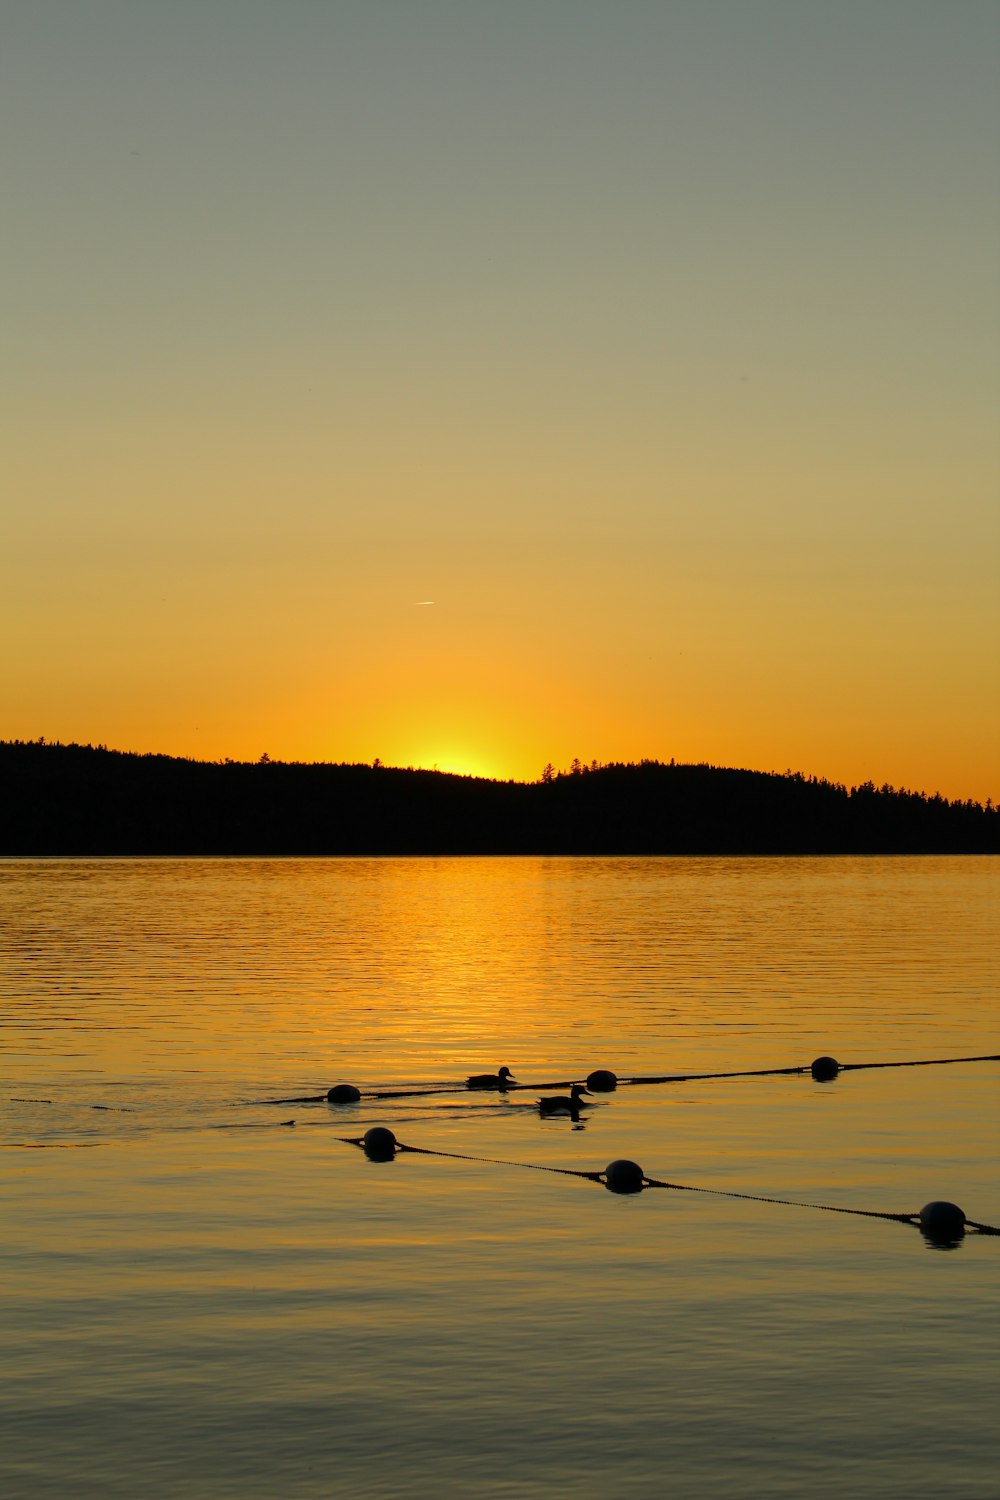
[512, 431]
[500, 749]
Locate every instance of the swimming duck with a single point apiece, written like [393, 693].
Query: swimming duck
[490, 1080]
[564, 1104]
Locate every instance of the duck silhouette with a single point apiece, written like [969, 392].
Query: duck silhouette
[564, 1104]
[497, 1080]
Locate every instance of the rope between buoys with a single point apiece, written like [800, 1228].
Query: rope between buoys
[923, 1062]
[433, 1090]
[679, 1187]
[829, 1208]
[492, 1161]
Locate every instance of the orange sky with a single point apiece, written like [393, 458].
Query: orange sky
[658, 346]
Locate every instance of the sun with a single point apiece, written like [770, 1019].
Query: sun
[456, 760]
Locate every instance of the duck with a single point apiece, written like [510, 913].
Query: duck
[564, 1104]
[497, 1080]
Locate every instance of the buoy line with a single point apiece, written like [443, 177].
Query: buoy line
[939, 1220]
[827, 1208]
[602, 1080]
[823, 1069]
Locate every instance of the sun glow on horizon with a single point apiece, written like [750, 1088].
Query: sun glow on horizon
[451, 757]
[394, 452]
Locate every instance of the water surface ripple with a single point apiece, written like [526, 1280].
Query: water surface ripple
[200, 1299]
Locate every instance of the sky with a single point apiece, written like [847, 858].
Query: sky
[657, 344]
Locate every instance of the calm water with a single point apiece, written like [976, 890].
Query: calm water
[198, 1300]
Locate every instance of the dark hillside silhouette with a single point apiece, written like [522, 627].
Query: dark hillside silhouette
[81, 800]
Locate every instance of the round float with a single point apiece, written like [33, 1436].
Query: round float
[825, 1069]
[379, 1143]
[942, 1221]
[602, 1081]
[624, 1176]
[343, 1093]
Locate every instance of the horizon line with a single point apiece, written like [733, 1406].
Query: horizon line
[549, 773]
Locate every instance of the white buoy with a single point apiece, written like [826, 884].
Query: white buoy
[942, 1220]
[602, 1081]
[825, 1069]
[379, 1143]
[343, 1093]
[624, 1176]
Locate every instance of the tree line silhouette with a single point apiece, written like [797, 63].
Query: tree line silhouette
[58, 799]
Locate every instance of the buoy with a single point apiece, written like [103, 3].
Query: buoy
[942, 1221]
[379, 1143]
[624, 1176]
[602, 1081]
[825, 1069]
[343, 1093]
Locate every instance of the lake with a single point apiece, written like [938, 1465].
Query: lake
[202, 1300]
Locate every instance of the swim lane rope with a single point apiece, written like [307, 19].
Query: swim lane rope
[431, 1090]
[912, 1219]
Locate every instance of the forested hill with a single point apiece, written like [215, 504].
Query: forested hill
[77, 799]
